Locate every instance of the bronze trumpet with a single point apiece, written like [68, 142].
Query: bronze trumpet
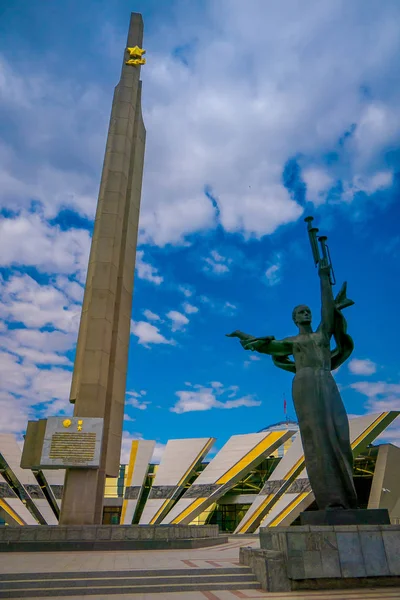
[323, 259]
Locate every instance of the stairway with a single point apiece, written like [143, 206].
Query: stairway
[29, 585]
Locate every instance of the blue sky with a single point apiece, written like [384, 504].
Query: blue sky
[257, 114]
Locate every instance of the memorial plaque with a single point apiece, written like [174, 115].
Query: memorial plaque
[72, 442]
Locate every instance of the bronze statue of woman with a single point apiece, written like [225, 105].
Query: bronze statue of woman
[322, 418]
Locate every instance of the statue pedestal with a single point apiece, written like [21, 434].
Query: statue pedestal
[358, 516]
[313, 557]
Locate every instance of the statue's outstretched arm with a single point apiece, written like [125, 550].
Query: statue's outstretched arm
[264, 345]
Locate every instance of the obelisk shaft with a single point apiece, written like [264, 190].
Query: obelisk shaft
[99, 377]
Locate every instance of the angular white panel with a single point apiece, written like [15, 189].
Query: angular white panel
[11, 452]
[292, 463]
[55, 479]
[177, 464]
[237, 457]
[142, 451]
[18, 507]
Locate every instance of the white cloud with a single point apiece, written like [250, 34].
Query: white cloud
[150, 315]
[135, 400]
[382, 396]
[127, 440]
[218, 127]
[217, 385]
[373, 389]
[126, 446]
[362, 366]
[25, 388]
[72, 289]
[179, 321]
[38, 357]
[318, 182]
[147, 271]
[159, 450]
[54, 123]
[376, 128]
[187, 292]
[52, 341]
[225, 308]
[216, 263]
[49, 384]
[15, 414]
[273, 272]
[205, 398]
[368, 184]
[29, 240]
[229, 309]
[128, 418]
[391, 434]
[30, 359]
[251, 359]
[148, 334]
[26, 301]
[189, 308]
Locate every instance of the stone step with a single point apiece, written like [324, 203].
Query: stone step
[27, 585]
[145, 589]
[125, 573]
[124, 582]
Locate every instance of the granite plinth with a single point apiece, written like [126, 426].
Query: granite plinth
[378, 516]
[325, 557]
[53, 538]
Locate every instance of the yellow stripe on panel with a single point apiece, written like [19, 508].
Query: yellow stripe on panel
[201, 519]
[271, 438]
[131, 466]
[295, 502]
[202, 453]
[188, 510]
[11, 512]
[273, 498]
[158, 513]
[182, 480]
[299, 465]
[369, 430]
[246, 526]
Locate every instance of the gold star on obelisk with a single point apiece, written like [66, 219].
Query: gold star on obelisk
[136, 54]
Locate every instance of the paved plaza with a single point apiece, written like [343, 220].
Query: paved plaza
[217, 557]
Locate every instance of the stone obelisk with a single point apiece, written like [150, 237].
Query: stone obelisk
[99, 377]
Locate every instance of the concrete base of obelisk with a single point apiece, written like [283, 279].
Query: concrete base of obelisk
[56, 538]
[83, 497]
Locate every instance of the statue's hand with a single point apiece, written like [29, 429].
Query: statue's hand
[257, 344]
[324, 270]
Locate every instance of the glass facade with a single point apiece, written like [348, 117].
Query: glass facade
[228, 516]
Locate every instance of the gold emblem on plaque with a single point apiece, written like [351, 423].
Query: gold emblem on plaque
[67, 423]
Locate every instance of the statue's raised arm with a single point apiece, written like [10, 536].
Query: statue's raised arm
[327, 302]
